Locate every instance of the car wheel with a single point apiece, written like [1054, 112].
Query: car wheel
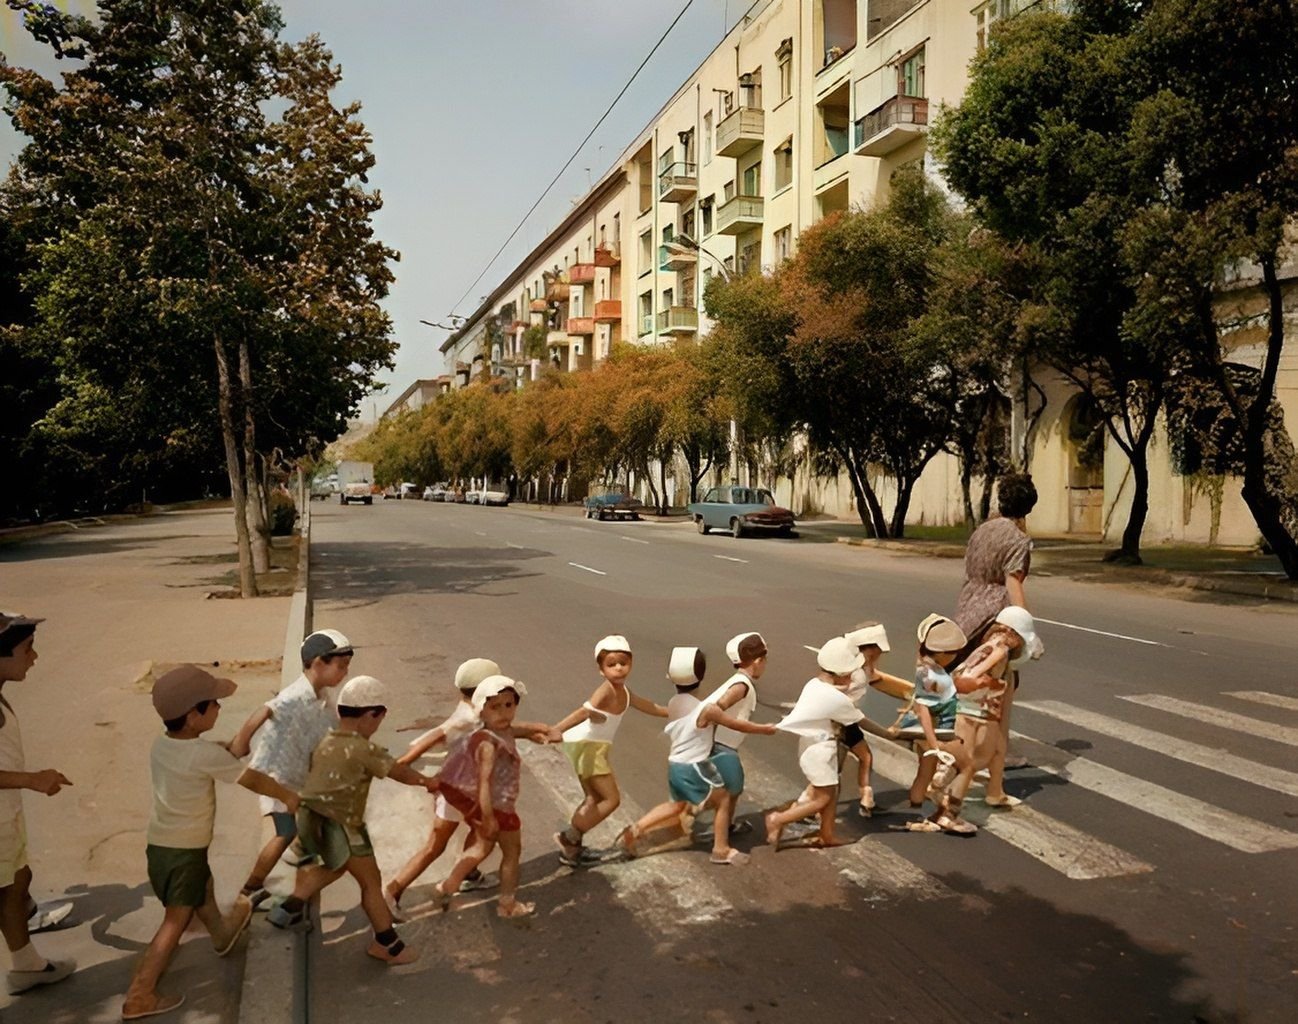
[702, 526]
[603, 514]
[785, 531]
[736, 528]
[342, 499]
[368, 501]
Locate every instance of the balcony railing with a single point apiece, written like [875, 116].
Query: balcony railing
[678, 182]
[579, 326]
[536, 306]
[581, 273]
[674, 256]
[741, 131]
[608, 311]
[646, 323]
[740, 214]
[891, 125]
[678, 320]
[558, 338]
[608, 255]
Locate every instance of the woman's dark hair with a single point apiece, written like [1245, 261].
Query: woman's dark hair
[1016, 495]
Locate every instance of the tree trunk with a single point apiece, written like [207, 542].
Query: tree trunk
[238, 496]
[1139, 459]
[662, 482]
[985, 500]
[258, 528]
[904, 490]
[867, 502]
[966, 491]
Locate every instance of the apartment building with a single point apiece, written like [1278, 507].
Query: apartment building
[806, 107]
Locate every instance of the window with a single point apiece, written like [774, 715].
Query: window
[750, 89]
[617, 229]
[645, 180]
[666, 160]
[707, 138]
[785, 57]
[753, 180]
[727, 103]
[783, 164]
[910, 79]
[646, 312]
[687, 224]
[687, 145]
[750, 259]
[836, 29]
[646, 252]
[705, 211]
[728, 191]
[668, 296]
[601, 236]
[833, 125]
[783, 243]
[667, 234]
[687, 287]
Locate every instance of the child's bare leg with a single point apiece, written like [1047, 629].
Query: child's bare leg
[473, 855]
[387, 945]
[662, 816]
[266, 861]
[864, 763]
[996, 765]
[923, 777]
[602, 799]
[142, 996]
[438, 836]
[777, 821]
[511, 851]
[725, 803]
[13, 910]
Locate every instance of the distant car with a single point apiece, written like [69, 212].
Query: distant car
[323, 488]
[473, 497]
[456, 495]
[741, 510]
[409, 492]
[494, 498]
[390, 493]
[613, 506]
[436, 492]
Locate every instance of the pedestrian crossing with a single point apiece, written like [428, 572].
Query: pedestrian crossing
[672, 893]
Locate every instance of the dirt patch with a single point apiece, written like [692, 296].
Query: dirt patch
[280, 581]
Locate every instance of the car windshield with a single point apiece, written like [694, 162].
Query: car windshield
[745, 496]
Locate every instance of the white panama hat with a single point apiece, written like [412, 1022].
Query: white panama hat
[839, 656]
[474, 671]
[612, 642]
[492, 686]
[363, 692]
[1020, 620]
[876, 635]
[686, 666]
[734, 644]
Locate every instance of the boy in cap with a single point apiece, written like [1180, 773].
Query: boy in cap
[737, 696]
[28, 968]
[288, 727]
[184, 768]
[331, 819]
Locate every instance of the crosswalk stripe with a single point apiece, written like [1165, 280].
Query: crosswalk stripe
[1215, 823]
[1222, 761]
[1275, 700]
[1225, 719]
[1067, 850]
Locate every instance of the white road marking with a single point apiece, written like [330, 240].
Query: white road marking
[1275, 700]
[633, 540]
[1069, 851]
[1215, 823]
[1226, 719]
[587, 568]
[1222, 761]
[511, 544]
[730, 558]
[1101, 632]
[478, 533]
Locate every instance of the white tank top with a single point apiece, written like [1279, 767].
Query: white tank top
[743, 709]
[11, 760]
[690, 744]
[599, 732]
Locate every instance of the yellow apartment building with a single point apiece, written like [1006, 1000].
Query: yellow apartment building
[807, 107]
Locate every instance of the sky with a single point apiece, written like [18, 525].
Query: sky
[474, 105]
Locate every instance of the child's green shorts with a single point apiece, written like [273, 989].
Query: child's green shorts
[330, 842]
[179, 877]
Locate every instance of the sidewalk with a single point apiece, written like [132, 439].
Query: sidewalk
[124, 602]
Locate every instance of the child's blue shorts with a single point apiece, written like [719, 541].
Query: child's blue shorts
[693, 783]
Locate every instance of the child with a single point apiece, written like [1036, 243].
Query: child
[331, 820]
[940, 640]
[288, 727]
[737, 696]
[871, 639]
[480, 779]
[693, 781]
[28, 968]
[587, 738]
[453, 733]
[184, 768]
[822, 706]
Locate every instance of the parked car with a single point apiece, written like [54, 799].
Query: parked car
[390, 493]
[455, 495]
[409, 492]
[324, 487]
[435, 492]
[494, 498]
[473, 497]
[740, 510]
[612, 506]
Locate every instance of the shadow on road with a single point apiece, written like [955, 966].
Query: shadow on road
[357, 570]
[82, 546]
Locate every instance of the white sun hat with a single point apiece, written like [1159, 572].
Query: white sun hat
[474, 671]
[686, 666]
[873, 634]
[612, 642]
[1020, 620]
[742, 644]
[492, 686]
[839, 656]
[363, 692]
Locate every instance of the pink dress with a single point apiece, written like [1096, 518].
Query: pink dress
[459, 779]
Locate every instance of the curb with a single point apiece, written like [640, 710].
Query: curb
[930, 548]
[274, 957]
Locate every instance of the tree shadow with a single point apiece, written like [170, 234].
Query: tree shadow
[360, 571]
[80, 546]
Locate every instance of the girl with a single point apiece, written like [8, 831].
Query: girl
[871, 639]
[940, 640]
[587, 738]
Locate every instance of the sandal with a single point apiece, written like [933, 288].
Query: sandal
[733, 858]
[569, 852]
[515, 910]
[953, 825]
[920, 825]
[626, 840]
[162, 1004]
[1004, 800]
[866, 807]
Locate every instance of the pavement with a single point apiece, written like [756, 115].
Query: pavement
[124, 601]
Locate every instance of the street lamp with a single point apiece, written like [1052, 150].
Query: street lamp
[684, 243]
[456, 323]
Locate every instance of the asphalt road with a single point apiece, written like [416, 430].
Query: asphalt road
[1149, 876]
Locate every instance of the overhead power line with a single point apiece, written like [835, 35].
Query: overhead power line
[568, 163]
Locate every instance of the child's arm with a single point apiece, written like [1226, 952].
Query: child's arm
[242, 742]
[486, 758]
[407, 776]
[537, 732]
[982, 673]
[713, 715]
[263, 785]
[419, 747]
[647, 706]
[589, 710]
[48, 781]
[925, 717]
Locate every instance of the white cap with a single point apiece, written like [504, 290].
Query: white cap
[1020, 620]
[687, 666]
[864, 635]
[363, 692]
[612, 642]
[493, 685]
[474, 671]
[839, 656]
[734, 644]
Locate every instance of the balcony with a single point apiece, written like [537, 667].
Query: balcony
[899, 120]
[608, 311]
[740, 214]
[581, 326]
[678, 182]
[557, 338]
[741, 131]
[674, 256]
[608, 256]
[536, 306]
[678, 320]
[581, 273]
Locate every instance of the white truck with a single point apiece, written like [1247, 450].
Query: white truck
[355, 482]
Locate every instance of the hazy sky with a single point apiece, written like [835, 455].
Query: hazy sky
[474, 105]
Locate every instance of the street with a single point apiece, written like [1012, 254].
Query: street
[1148, 876]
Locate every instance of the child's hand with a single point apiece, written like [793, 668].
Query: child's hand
[48, 781]
[489, 828]
[293, 802]
[768, 730]
[407, 758]
[554, 735]
[432, 783]
[541, 736]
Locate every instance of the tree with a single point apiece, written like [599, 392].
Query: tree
[697, 416]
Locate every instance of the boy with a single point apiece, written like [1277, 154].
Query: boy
[738, 697]
[28, 969]
[184, 768]
[288, 727]
[331, 820]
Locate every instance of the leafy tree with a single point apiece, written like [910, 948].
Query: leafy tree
[697, 421]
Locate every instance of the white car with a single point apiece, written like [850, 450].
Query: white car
[473, 497]
[493, 498]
